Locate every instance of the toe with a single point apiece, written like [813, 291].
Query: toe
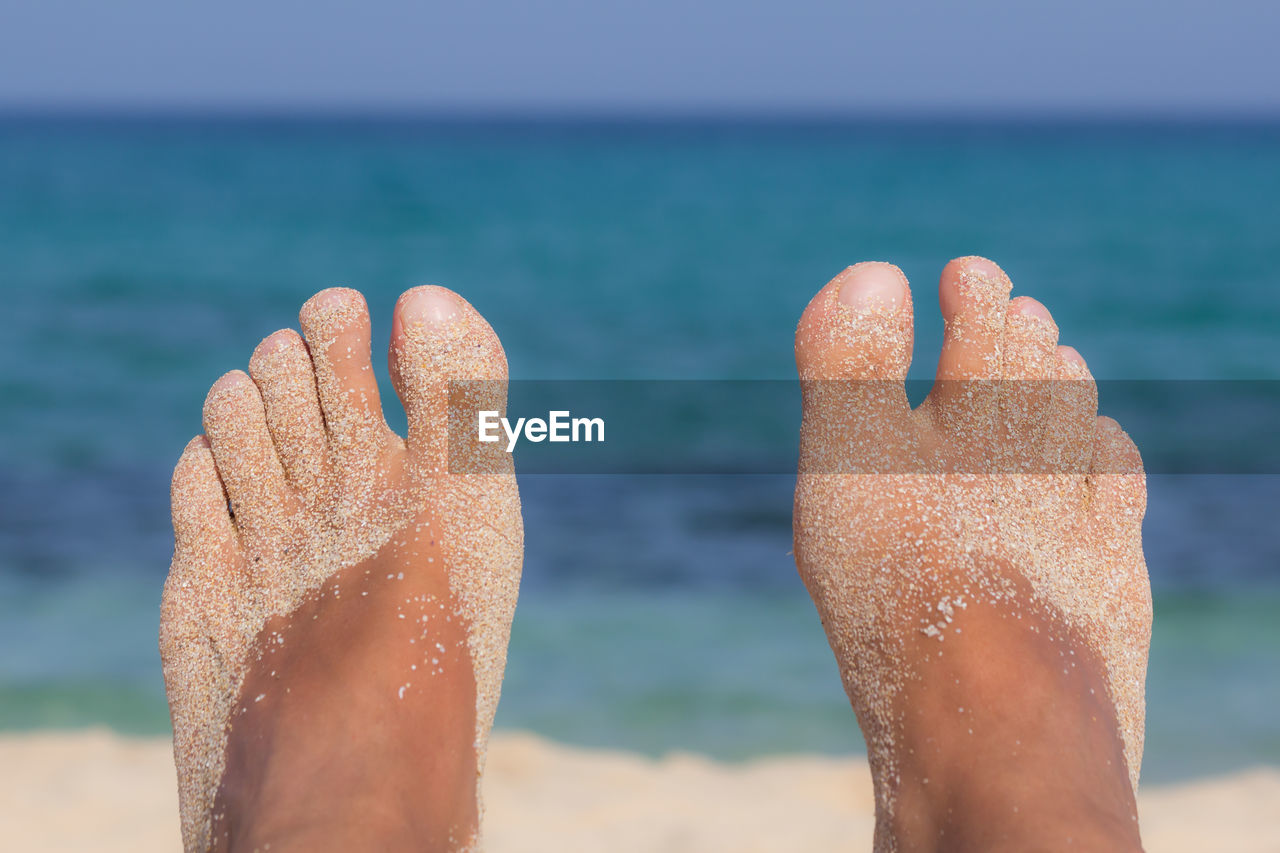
[974, 295]
[1073, 415]
[335, 323]
[1117, 484]
[281, 367]
[204, 582]
[447, 365]
[235, 421]
[853, 348]
[201, 521]
[1030, 338]
[1117, 500]
[858, 326]
[198, 606]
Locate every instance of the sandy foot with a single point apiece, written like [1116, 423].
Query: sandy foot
[977, 562]
[346, 621]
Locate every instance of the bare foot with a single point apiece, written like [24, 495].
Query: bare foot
[977, 564]
[333, 646]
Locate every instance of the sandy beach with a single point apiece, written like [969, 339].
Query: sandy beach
[95, 790]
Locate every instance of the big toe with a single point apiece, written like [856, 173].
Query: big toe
[447, 365]
[853, 348]
[857, 327]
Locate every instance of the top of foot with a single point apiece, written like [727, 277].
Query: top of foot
[324, 566]
[1002, 504]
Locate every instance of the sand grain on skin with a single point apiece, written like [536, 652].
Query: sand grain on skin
[351, 503]
[899, 526]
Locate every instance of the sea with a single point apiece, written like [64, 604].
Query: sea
[141, 256]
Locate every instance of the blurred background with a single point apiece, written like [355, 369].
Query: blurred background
[643, 191]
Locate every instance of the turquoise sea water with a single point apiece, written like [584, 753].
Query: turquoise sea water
[141, 258]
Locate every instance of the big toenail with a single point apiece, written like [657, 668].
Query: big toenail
[429, 307]
[873, 287]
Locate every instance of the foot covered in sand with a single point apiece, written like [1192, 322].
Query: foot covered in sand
[977, 564]
[335, 620]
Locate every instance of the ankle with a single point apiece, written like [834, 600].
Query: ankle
[986, 810]
[358, 821]
[402, 787]
[1004, 747]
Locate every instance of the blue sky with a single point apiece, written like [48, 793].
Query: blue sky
[1176, 56]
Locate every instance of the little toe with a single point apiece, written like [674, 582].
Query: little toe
[447, 365]
[201, 519]
[235, 421]
[335, 323]
[1117, 501]
[1073, 415]
[1028, 361]
[198, 604]
[281, 367]
[853, 348]
[974, 295]
[1118, 486]
[207, 571]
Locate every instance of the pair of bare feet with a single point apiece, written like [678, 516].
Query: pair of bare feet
[335, 621]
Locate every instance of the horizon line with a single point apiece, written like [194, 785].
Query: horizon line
[641, 114]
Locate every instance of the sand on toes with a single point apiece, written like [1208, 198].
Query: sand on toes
[326, 569]
[1003, 490]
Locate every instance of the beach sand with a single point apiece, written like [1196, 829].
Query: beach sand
[95, 790]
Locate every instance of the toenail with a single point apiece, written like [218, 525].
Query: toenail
[275, 342]
[1070, 355]
[234, 379]
[873, 287]
[1029, 307]
[981, 266]
[334, 297]
[429, 306]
